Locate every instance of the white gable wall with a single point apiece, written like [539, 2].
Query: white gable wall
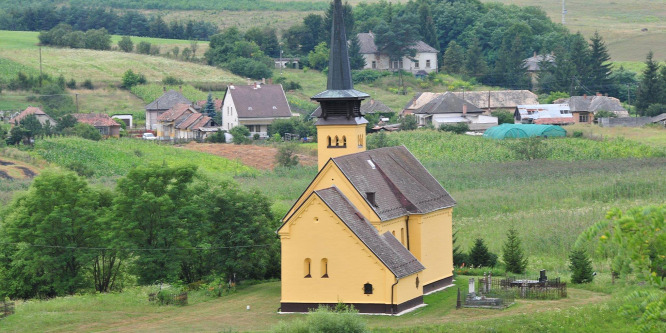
[229, 112]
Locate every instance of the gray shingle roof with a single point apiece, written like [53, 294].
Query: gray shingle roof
[366, 41]
[447, 103]
[386, 247]
[592, 103]
[262, 101]
[168, 100]
[401, 184]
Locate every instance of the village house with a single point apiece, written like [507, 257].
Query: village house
[489, 101]
[543, 114]
[102, 122]
[424, 60]
[533, 65]
[43, 118]
[163, 104]
[182, 122]
[374, 228]
[583, 108]
[255, 106]
[449, 109]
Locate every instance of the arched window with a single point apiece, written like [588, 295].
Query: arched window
[393, 232]
[344, 141]
[417, 282]
[329, 140]
[360, 140]
[337, 141]
[367, 288]
[306, 267]
[324, 268]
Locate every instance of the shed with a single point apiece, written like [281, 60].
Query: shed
[512, 131]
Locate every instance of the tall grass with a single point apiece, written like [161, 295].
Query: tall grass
[150, 92]
[115, 157]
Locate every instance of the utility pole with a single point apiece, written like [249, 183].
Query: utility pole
[77, 102]
[564, 13]
[40, 66]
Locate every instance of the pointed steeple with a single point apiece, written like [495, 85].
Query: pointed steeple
[339, 70]
[340, 86]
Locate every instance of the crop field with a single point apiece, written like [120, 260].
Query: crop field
[115, 157]
[104, 66]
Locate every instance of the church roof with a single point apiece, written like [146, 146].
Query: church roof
[401, 184]
[386, 247]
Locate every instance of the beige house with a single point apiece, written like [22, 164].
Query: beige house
[584, 108]
[162, 105]
[424, 60]
[255, 106]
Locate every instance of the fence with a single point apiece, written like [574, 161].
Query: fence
[6, 309]
[166, 298]
[529, 288]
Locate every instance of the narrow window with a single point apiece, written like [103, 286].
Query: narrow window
[374, 64]
[337, 141]
[306, 268]
[402, 236]
[329, 140]
[416, 64]
[324, 268]
[360, 140]
[393, 232]
[417, 282]
[367, 289]
[344, 141]
[427, 63]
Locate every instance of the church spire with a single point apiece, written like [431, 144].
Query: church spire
[339, 70]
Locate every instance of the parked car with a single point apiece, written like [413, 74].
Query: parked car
[149, 136]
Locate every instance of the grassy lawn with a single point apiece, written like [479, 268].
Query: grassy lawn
[131, 311]
[652, 136]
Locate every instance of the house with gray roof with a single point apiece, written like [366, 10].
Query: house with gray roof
[583, 108]
[447, 108]
[255, 106]
[488, 101]
[424, 60]
[162, 104]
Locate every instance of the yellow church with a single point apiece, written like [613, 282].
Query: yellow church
[374, 228]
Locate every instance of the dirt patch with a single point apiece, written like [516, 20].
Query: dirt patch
[6, 162]
[4, 175]
[27, 172]
[258, 157]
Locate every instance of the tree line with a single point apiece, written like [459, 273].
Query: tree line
[46, 16]
[159, 223]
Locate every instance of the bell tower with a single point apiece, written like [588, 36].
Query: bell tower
[341, 126]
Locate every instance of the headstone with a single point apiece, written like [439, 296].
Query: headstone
[542, 276]
[472, 290]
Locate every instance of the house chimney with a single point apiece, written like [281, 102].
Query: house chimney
[249, 82]
[599, 94]
[535, 54]
[584, 96]
[255, 85]
[464, 109]
[263, 80]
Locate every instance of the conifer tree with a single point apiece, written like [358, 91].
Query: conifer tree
[428, 30]
[600, 66]
[453, 60]
[579, 56]
[512, 253]
[209, 108]
[649, 90]
[479, 256]
[356, 60]
[580, 266]
[475, 64]
[510, 70]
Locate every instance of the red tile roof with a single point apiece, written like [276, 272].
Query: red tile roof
[216, 102]
[175, 112]
[28, 111]
[95, 119]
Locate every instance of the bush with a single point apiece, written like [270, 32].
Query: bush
[131, 79]
[143, 48]
[604, 114]
[88, 84]
[408, 123]
[577, 134]
[87, 131]
[172, 81]
[580, 266]
[217, 137]
[81, 169]
[655, 110]
[533, 148]
[326, 320]
[368, 75]
[256, 136]
[379, 140]
[125, 44]
[249, 68]
[71, 84]
[458, 128]
[286, 155]
[479, 256]
[504, 117]
[240, 134]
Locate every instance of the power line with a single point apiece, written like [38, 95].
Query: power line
[134, 249]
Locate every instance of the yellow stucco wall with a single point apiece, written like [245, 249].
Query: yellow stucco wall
[329, 176]
[316, 233]
[355, 141]
[436, 244]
